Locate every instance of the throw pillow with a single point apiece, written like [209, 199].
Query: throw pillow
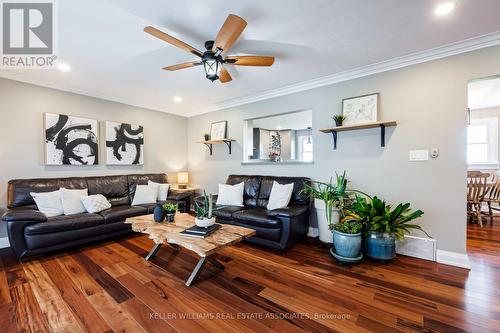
[231, 195]
[71, 202]
[145, 194]
[162, 190]
[49, 203]
[280, 195]
[95, 203]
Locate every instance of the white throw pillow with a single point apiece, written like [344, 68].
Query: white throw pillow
[71, 202]
[280, 195]
[231, 195]
[49, 203]
[145, 194]
[162, 190]
[95, 203]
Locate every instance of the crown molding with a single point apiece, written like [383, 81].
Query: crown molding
[440, 52]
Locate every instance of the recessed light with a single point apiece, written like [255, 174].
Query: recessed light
[444, 9]
[63, 67]
[177, 99]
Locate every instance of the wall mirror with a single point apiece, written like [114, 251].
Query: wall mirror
[283, 138]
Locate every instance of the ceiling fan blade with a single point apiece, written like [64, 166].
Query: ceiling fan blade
[172, 40]
[182, 66]
[224, 76]
[249, 60]
[229, 32]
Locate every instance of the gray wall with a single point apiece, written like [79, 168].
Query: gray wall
[22, 152]
[428, 101]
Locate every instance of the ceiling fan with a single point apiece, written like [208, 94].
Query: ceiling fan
[212, 59]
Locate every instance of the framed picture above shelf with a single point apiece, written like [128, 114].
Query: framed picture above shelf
[210, 143]
[376, 124]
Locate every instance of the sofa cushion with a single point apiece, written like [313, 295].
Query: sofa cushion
[271, 234]
[227, 212]
[251, 190]
[64, 223]
[120, 213]
[267, 185]
[258, 217]
[142, 179]
[19, 189]
[114, 188]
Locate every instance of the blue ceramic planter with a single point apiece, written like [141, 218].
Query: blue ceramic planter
[158, 213]
[347, 245]
[380, 246]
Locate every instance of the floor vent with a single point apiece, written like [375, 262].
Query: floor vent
[418, 247]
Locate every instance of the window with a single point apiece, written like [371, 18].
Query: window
[482, 141]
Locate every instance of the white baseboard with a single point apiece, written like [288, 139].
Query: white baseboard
[4, 242]
[453, 259]
[313, 232]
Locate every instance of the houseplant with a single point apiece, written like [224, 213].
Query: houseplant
[330, 198]
[382, 224]
[204, 216]
[339, 119]
[347, 241]
[170, 210]
[206, 136]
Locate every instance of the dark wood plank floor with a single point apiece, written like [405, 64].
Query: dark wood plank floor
[109, 287]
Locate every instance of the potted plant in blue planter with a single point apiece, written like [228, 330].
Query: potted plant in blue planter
[382, 225]
[347, 242]
[170, 210]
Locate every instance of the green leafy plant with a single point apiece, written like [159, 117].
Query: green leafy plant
[335, 194]
[206, 210]
[377, 216]
[339, 118]
[170, 207]
[348, 227]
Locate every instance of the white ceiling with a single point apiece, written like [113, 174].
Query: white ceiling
[484, 93]
[111, 56]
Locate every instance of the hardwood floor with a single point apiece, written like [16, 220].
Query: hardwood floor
[109, 287]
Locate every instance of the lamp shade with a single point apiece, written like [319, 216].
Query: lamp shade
[182, 177]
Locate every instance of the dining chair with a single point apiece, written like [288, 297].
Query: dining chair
[477, 189]
[492, 198]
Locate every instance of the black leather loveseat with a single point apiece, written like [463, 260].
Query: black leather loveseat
[31, 232]
[277, 229]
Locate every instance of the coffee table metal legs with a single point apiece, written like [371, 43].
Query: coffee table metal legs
[199, 267]
[153, 251]
[156, 247]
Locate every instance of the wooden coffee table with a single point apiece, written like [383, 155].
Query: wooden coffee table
[169, 233]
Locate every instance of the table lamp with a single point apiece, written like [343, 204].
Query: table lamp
[182, 180]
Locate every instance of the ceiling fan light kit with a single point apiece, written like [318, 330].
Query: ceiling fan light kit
[212, 59]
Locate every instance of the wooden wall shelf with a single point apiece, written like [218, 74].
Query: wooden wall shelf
[210, 144]
[377, 124]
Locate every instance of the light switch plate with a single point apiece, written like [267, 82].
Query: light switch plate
[418, 155]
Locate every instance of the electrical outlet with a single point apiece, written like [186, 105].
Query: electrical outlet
[418, 155]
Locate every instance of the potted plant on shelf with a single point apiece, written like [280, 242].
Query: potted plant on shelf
[204, 216]
[330, 198]
[382, 225]
[347, 242]
[206, 136]
[170, 210]
[339, 119]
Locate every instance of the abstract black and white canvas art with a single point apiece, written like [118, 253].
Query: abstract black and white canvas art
[124, 144]
[71, 140]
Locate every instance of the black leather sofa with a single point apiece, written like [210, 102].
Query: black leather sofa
[31, 233]
[277, 229]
